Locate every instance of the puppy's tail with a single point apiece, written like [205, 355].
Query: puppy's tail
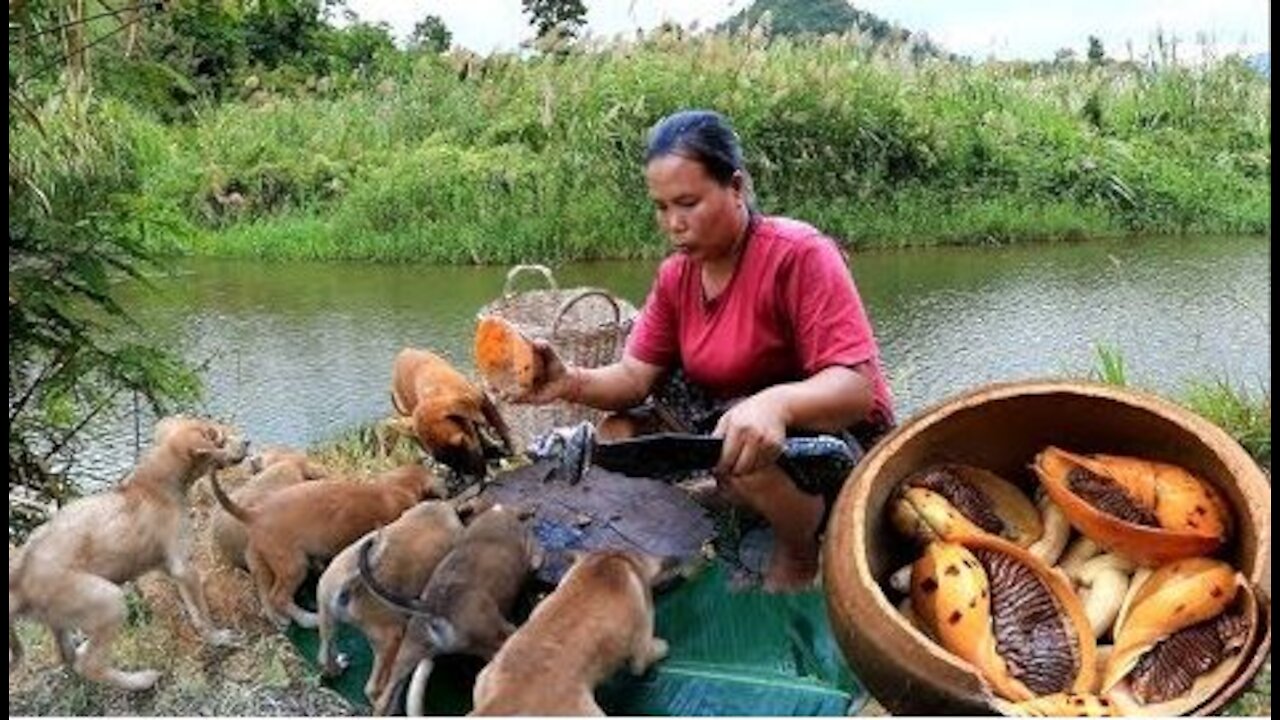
[395, 403]
[227, 503]
[413, 606]
[415, 702]
[340, 602]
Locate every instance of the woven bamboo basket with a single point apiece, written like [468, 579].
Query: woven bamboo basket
[1000, 428]
[587, 326]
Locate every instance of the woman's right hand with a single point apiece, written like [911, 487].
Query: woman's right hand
[553, 381]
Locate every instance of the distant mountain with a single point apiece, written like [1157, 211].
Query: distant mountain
[1262, 63]
[822, 17]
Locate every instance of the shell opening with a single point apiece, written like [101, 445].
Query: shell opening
[1033, 634]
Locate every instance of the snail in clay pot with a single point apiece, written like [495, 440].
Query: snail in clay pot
[1182, 635]
[944, 500]
[1008, 614]
[505, 359]
[1001, 428]
[1149, 512]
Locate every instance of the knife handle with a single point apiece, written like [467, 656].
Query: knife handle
[817, 463]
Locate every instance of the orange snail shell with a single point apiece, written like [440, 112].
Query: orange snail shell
[1193, 517]
[951, 593]
[927, 514]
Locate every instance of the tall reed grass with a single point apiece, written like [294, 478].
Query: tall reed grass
[464, 159]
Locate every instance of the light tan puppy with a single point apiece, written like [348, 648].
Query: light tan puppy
[405, 553]
[315, 521]
[598, 620]
[273, 469]
[465, 605]
[68, 575]
[444, 410]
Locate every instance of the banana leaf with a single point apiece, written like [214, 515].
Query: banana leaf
[732, 653]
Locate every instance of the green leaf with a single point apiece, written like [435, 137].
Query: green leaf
[740, 653]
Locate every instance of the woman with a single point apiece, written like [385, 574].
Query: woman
[761, 314]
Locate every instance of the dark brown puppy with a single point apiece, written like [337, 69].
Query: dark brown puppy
[465, 605]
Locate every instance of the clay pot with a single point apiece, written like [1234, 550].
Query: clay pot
[1001, 428]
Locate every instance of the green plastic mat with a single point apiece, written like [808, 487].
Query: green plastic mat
[732, 653]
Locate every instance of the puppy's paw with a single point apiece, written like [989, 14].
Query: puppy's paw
[658, 649]
[138, 681]
[222, 637]
[654, 651]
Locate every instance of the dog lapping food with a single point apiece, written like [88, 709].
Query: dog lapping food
[463, 608]
[598, 620]
[1138, 574]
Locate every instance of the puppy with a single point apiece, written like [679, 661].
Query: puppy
[444, 411]
[273, 469]
[406, 552]
[465, 604]
[314, 521]
[68, 574]
[599, 619]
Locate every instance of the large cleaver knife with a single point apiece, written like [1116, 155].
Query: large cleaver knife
[816, 463]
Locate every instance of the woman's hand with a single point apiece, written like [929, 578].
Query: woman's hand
[753, 432]
[554, 380]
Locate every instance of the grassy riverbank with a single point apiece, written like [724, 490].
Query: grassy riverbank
[458, 159]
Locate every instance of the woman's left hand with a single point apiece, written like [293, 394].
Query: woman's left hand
[753, 432]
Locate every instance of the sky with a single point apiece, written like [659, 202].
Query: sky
[1004, 29]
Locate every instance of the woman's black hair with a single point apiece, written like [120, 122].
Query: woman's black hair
[703, 136]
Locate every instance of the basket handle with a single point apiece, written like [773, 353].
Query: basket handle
[564, 307]
[514, 272]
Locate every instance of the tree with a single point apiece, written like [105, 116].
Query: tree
[75, 355]
[359, 45]
[563, 16]
[431, 35]
[1097, 55]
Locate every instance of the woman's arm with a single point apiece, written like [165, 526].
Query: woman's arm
[618, 386]
[835, 398]
[828, 401]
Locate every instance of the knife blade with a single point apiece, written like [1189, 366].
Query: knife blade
[814, 462]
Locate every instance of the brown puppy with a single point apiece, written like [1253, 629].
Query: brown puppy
[273, 469]
[464, 607]
[68, 574]
[599, 619]
[315, 521]
[442, 409]
[405, 552]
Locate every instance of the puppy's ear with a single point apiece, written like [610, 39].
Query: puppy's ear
[314, 471]
[466, 435]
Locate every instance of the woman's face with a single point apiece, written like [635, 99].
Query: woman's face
[701, 217]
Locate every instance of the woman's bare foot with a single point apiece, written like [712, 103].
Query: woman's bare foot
[791, 569]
